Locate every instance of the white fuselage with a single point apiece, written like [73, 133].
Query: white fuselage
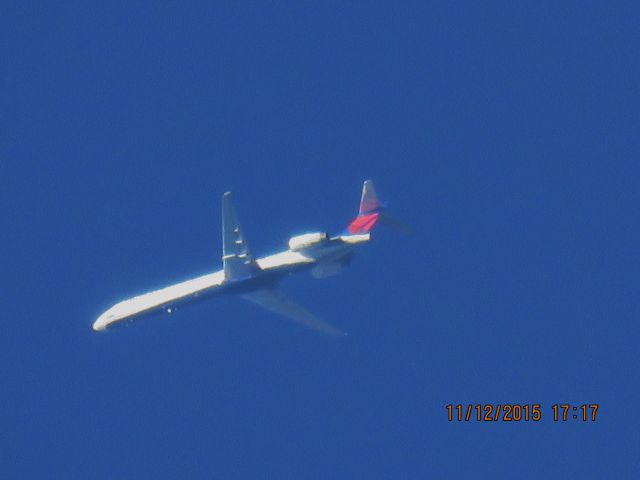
[324, 258]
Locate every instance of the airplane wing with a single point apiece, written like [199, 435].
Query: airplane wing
[236, 257]
[275, 301]
[166, 296]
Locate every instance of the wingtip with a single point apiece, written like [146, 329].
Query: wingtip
[338, 333]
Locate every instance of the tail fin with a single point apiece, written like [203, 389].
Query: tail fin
[369, 200]
[369, 211]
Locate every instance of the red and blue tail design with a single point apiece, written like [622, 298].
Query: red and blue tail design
[369, 212]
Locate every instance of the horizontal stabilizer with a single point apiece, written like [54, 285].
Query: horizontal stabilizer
[395, 223]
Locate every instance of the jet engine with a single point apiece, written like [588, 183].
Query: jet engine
[302, 242]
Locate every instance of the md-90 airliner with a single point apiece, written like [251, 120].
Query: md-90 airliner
[257, 280]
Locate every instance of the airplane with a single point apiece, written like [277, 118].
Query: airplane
[256, 280]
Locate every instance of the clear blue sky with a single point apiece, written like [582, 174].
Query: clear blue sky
[506, 135]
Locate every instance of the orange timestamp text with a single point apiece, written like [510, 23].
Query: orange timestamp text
[517, 412]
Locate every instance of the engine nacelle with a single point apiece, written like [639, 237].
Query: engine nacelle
[301, 242]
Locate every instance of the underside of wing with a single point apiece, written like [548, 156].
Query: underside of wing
[158, 298]
[275, 301]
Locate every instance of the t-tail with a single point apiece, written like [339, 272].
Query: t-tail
[371, 211]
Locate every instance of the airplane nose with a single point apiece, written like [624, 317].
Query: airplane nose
[101, 323]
